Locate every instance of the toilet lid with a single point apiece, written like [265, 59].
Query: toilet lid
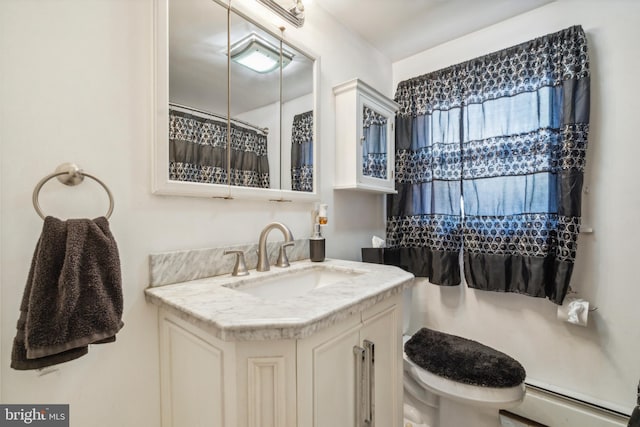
[499, 397]
[463, 360]
[486, 396]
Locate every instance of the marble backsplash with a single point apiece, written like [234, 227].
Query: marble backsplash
[181, 266]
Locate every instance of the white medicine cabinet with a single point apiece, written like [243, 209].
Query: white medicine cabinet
[365, 138]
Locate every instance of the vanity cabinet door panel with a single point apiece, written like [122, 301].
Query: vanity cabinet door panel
[196, 387]
[329, 381]
[384, 331]
[266, 383]
[326, 377]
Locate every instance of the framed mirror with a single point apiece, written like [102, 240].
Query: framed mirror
[236, 106]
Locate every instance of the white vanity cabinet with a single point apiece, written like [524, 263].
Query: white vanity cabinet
[209, 382]
[316, 381]
[365, 138]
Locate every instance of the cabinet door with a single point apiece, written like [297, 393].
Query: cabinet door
[196, 385]
[383, 330]
[375, 151]
[331, 390]
[365, 138]
[326, 377]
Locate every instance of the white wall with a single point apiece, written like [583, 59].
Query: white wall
[599, 363]
[76, 84]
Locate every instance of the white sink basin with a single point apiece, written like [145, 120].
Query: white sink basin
[293, 284]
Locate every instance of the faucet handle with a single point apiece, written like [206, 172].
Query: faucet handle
[240, 267]
[283, 261]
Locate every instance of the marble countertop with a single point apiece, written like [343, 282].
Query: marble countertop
[218, 305]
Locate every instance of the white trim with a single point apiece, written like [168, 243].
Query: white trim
[556, 410]
[577, 396]
[266, 382]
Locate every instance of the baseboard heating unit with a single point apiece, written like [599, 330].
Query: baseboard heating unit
[554, 409]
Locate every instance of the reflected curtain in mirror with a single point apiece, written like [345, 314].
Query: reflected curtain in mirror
[302, 152]
[249, 162]
[374, 144]
[197, 148]
[518, 122]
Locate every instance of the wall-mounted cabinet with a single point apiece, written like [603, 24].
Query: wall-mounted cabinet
[365, 138]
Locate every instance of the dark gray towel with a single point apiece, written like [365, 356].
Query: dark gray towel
[73, 295]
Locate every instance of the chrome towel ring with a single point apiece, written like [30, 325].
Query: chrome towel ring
[69, 174]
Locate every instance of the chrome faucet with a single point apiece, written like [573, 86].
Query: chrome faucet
[263, 257]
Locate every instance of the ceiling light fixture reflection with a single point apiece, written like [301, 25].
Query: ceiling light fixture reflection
[258, 54]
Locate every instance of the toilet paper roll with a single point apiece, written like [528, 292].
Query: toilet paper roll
[574, 311]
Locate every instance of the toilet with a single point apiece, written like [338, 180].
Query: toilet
[432, 400]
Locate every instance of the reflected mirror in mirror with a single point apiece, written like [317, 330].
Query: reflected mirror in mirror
[197, 91]
[297, 122]
[254, 105]
[374, 143]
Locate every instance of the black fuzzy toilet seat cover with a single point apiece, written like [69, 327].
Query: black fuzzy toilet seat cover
[463, 360]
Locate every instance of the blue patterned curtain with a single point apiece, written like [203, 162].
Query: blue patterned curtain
[424, 223]
[249, 161]
[197, 148]
[523, 125]
[302, 152]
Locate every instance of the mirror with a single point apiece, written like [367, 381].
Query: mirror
[197, 92]
[297, 162]
[255, 103]
[229, 124]
[374, 143]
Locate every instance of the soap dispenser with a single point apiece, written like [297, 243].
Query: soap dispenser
[316, 241]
